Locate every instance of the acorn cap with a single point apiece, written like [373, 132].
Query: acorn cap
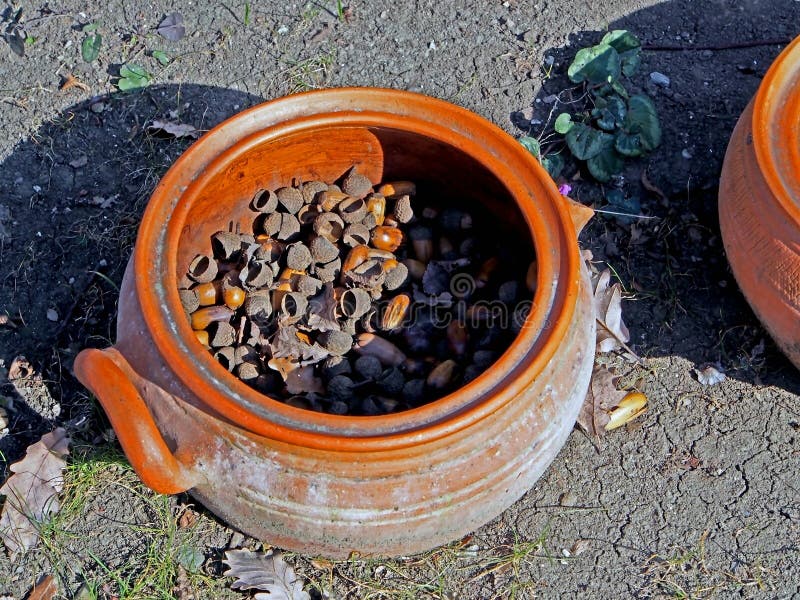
[226, 357]
[298, 257]
[396, 277]
[203, 269]
[290, 198]
[256, 274]
[290, 227]
[340, 388]
[355, 302]
[226, 245]
[221, 333]
[307, 285]
[329, 271]
[258, 305]
[355, 184]
[369, 221]
[294, 304]
[245, 352]
[352, 210]
[323, 250]
[349, 325]
[335, 342]
[268, 251]
[369, 367]
[271, 224]
[329, 225]
[247, 371]
[264, 201]
[308, 213]
[189, 300]
[311, 188]
[402, 209]
[356, 234]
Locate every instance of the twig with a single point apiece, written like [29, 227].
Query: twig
[733, 46]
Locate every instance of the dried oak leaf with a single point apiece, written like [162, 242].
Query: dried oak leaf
[322, 310]
[174, 129]
[288, 343]
[303, 381]
[20, 369]
[264, 571]
[32, 491]
[612, 333]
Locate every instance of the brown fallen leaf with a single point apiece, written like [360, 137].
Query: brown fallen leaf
[303, 381]
[45, 589]
[174, 129]
[264, 571]
[70, 81]
[32, 491]
[650, 187]
[612, 334]
[20, 369]
[602, 394]
[187, 518]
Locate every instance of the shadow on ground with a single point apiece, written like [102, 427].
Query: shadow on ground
[687, 302]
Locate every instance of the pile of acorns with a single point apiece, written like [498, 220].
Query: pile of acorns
[342, 300]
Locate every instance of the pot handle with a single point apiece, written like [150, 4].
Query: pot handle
[111, 379]
[580, 214]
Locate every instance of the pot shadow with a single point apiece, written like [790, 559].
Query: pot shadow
[73, 194]
[686, 301]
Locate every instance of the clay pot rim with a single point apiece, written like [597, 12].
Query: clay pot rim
[549, 224]
[778, 100]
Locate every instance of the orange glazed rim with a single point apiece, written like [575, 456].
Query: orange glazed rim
[776, 129]
[534, 193]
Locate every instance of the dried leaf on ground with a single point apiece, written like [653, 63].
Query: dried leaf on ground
[32, 491]
[303, 381]
[45, 589]
[20, 369]
[264, 571]
[710, 375]
[171, 27]
[174, 129]
[605, 407]
[612, 334]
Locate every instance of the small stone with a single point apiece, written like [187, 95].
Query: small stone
[508, 292]
[338, 407]
[484, 358]
[659, 79]
[52, 315]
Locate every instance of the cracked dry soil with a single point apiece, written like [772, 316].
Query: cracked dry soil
[699, 498]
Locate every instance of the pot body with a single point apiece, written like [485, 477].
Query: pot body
[759, 202]
[323, 484]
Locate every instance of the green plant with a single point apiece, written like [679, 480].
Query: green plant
[132, 76]
[613, 125]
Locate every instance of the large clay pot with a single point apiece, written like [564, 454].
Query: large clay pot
[319, 483]
[759, 202]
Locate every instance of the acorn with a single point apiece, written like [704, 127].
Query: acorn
[421, 238]
[402, 209]
[387, 238]
[442, 375]
[395, 312]
[298, 256]
[355, 302]
[264, 201]
[290, 198]
[329, 225]
[356, 234]
[355, 184]
[355, 257]
[233, 297]
[397, 188]
[203, 317]
[202, 269]
[202, 336]
[382, 349]
[322, 250]
[310, 189]
[226, 245]
[413, 391]
[336, 342]
[376, 206]
[189, 300]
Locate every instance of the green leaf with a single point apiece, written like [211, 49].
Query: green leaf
[246, 14]
[90, 27]
[161, 57]
[531, 145]
[563, 123]
[90, 47]
[621, 40]
[132, 76]
[628, 145]
[630, 61]
[642, 119]
[606, 163]
[553, 164]
[597, 64]
[610, 113]
[585, 142]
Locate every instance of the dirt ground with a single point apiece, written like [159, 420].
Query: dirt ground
[697, 499]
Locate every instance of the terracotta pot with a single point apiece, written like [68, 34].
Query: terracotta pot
[759, 202]
[319, 483]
